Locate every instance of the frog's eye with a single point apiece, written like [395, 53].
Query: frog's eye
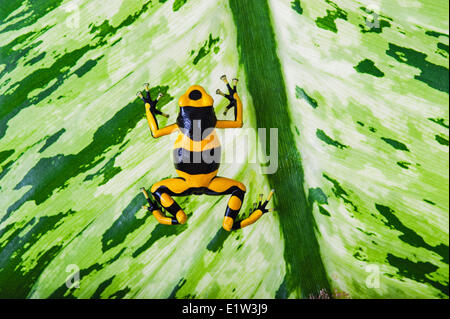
[195, 95]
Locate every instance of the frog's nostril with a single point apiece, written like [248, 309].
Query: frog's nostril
[195, 95]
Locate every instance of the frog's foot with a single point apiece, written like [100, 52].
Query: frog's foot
[231, 91]
[148, 100]
[259, 209]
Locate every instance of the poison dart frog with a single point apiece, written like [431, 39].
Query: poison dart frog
[196, 156]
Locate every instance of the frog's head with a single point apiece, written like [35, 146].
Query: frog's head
[196, 106]
[196, 96]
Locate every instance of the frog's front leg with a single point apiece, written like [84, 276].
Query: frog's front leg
[163, 192]
[235, 102]
[225, 186]
[151, 110]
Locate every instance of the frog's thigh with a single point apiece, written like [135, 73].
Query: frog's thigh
[173, 186]
[223, 185]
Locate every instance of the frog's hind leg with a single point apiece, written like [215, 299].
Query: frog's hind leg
[225, 186]
[163, 192]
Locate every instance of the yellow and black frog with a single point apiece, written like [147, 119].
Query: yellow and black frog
[196, 155]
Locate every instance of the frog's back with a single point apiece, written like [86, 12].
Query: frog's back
[197, 149]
